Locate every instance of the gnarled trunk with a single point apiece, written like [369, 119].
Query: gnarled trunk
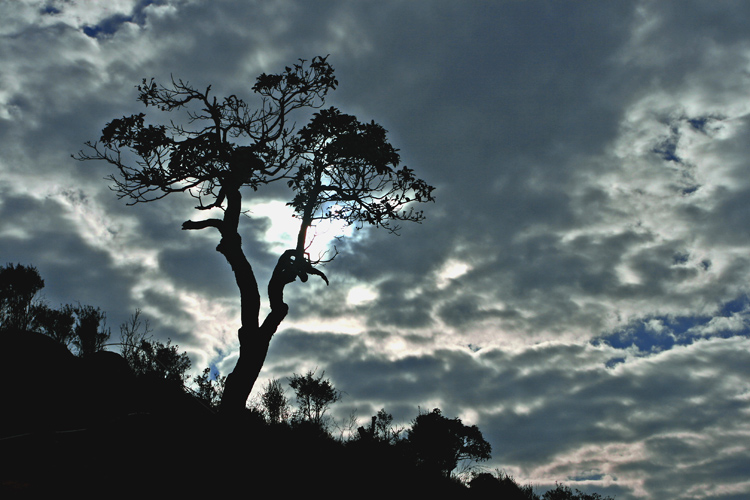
[254, 337]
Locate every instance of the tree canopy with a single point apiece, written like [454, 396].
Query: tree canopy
[335, 168]
[439, 443]
[80, 326]
[274, 403]
[19, 285]
[314, 395]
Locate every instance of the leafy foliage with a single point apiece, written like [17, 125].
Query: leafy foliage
[19, 285]
[55, 323]
[89, 331]
[203, 160]
[499, 485]
[210, 387]
[149, 357]
[350, 166]
[562, 492]
[156, 359]
[314, 395]
[439, 443]
[384, 429]
[274, 402]
[381, 429]
[80, 326]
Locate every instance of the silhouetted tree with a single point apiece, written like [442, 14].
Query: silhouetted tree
[439, 443]
[336, 168]
[55, 323]
[383, 429]
[149, 357]
[154, 358]
[274, 402]
[314, 396]
[19, 286]
[20, 310]
[89, 332]
[132, 332]
[210, 387]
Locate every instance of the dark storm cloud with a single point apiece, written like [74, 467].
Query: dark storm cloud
[495, 177]
[37, 232]
[402, 384]
[539, 405]
[297, 344]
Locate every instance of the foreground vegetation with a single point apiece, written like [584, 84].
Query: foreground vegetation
[81, 419]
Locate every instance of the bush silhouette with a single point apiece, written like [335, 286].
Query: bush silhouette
[439, 443]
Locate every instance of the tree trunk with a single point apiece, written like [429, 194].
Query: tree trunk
[254, 342]
[239, 383]
[254, 337]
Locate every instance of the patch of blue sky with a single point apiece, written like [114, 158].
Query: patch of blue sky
[49, 9]
[659, 333]
[592, 476]
[110, 25]
[107, 26]
[214, 372]
[611, 363]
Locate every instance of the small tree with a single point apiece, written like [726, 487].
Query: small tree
[499, 485]
[209, 388]
[156, 359]
[56, 323]
[19, 286]
[335, 167]
[383, 427]
[90, 332]
[132, 333]
[150, 357]
[439, 443]
[274, 402]
[314, 396]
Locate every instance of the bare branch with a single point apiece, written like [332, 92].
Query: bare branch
[202, 224]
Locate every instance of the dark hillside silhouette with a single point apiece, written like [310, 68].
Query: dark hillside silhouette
[335, 168]
[91, 426]
[81, 327]
[100, 429]
[64, 417]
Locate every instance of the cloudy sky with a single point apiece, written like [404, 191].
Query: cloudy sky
[580, 288]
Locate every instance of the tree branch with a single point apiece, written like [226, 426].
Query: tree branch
[202, 224]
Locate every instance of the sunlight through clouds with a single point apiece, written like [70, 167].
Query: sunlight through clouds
[361, 294]
[451, 270]
[284, 228]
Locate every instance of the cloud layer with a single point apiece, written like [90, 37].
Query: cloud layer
[579, 290]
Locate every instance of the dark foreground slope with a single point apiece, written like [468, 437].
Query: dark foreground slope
[89, 426]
